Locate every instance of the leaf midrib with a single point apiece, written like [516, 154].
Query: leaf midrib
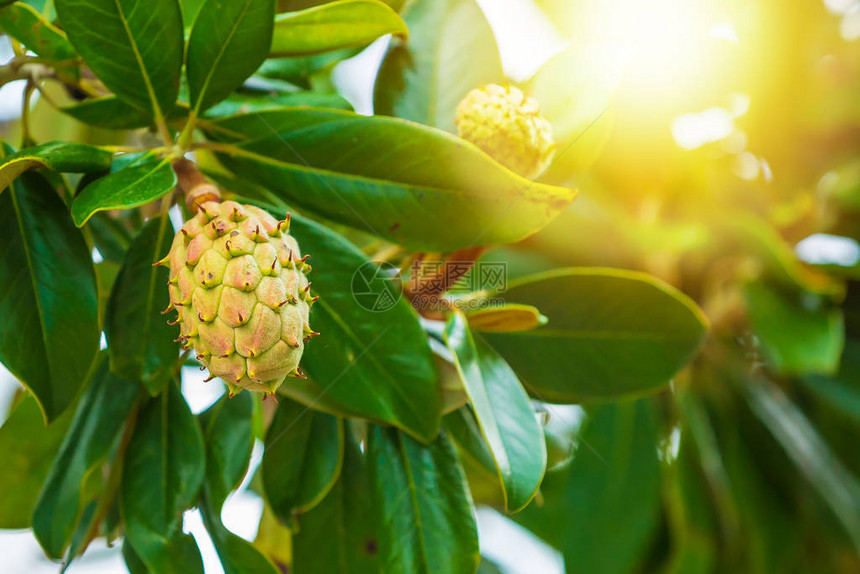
[43, 332]
[356, 340]
[156, 109]
[218, 58]
[413, 494]
[147, 319]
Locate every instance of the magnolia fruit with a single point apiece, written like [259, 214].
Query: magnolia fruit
[508, 126]
[239, 285]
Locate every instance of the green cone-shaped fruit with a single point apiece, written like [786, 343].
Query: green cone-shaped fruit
[508, 126]
[238, 282]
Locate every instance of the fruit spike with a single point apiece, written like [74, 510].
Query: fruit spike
[298, 373]
[240, 288]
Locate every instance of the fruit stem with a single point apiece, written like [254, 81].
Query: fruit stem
[194, 185]
[426, 291]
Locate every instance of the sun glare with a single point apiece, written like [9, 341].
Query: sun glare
[668, 45]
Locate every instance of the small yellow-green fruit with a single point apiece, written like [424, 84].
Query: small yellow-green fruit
[239, 284]
[508, 126]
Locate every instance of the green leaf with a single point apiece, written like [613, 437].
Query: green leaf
[244, 102]
[56, 156]
[338, 536]
[503, 411]
[425, 514]
[164, 469]
[47, 342]
[376, 364]
[300, 71]
[475, 457]
[610, 333]
[139, 339]
[303, 457]
[237, 556]
[27, 448]
[98, 420]
[424, 79]
[137, 184]
[333, 26]
[612, 496]
[108, 112]
[190, 9]
[133, 46]
[228, 42]
[798, 337]
[795, 433]
[29, 27]
[229, 440]
[132, 561]
[398, 180]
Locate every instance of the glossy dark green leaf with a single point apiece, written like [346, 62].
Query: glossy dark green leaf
[29, 27]
[228, 42]
[132, 561]
[46, 342]
[98, 420]
[475, 457]
[424, 511]
[801, 336]
[612, 500]
[503, 411]
[56, 156]
[424, 78]
[395, 179]
[299, 71]
[813, 457]
[108, 112]
[334, 25]
[303, 457]
[133, 46]
[229, 440]
[110, 236]
[27, 448]
[139, 339]
[164, 469]
[237, 556]
[338, 536]
[375, 364]
[227, 430]
[610, 333]
[133, 186]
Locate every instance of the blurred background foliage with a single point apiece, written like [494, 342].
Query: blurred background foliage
[716, 144]
[726, 163]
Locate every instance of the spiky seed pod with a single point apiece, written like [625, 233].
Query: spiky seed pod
[508, 126]
[239, 285]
